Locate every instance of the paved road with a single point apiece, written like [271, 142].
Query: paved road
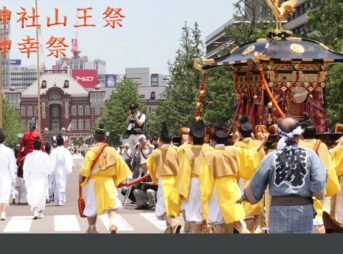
[66, 219]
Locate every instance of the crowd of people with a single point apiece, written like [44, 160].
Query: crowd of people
[35, 172]
[218, 183]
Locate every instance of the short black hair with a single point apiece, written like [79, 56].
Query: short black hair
[47, 147]
[166, 139]
[60, 140]
[309, 132]
[99, 137]
[2, 136]
[37, 144]
[198, 141]
[245, 133]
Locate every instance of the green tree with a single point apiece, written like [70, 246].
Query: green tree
[181, 94]
[219, 96]
[326, 26]
[116, 110]
[11, 125]
[251, 21]
[325, 21]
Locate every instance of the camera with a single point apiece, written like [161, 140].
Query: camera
[132, 119]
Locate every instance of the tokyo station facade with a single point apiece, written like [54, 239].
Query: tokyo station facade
[67, 107]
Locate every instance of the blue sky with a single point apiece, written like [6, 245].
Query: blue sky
[149, 37]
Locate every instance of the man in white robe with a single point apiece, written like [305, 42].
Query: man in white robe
[62, 162]
[7, 174]
[37, 167]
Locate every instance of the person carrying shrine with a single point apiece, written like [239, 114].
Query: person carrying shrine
[220, 175]
[62, 162]
[37, 167]
[294, 175]
[332, 185]
[191, 161]
[337, 158]
[100, 181]
[163, 168]
[250, 153]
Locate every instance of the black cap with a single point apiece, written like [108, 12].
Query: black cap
[100, 130]
[220, 136]
[197, 129]
[133, 106]
[164, 136]
[305, 121]
[2, 136]
[245, 124]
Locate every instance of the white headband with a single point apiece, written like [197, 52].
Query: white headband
[284, 136]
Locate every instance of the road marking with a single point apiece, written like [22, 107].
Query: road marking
[151, 217]
[18, 224]
[121, 223]
[66, 223]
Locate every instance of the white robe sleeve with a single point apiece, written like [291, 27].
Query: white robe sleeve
[12, 165]
[27, 167]
[68, 161]
[48, 164]
[53, 160]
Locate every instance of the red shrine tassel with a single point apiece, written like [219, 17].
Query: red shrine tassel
[201, 95]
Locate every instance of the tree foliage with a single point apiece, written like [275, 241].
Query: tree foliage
[11, 125]
[251, 21]
[326, 24]
[117, 108]
[181, 94]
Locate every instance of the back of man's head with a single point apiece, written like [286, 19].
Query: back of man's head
[287, 124]
[60, 140]
[2, 136]
[37, 144]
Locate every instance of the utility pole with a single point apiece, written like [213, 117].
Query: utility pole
[38, 75]
[1, 81]
[1, 85]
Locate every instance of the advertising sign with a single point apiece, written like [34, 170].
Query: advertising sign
[86, 78]
[110, 80]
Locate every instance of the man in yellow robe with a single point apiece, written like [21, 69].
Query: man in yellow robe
[191, 161]
[332, 185]
[337, 158]
[163, 168]
[219, 173]
[99, 183]
[250, 153]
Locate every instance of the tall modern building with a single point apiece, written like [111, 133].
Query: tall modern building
[5, 61]
[151, 85]
[21, 77]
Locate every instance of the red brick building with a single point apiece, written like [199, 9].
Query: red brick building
[66, 106]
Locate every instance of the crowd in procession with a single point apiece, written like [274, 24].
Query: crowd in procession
[217, 182]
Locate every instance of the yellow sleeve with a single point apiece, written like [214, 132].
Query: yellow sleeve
[122, 171]
[86, 167]
[337, 157]
[247, 161]
[332, 184]
[183, 177]
[152, 168]
[206, 185]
